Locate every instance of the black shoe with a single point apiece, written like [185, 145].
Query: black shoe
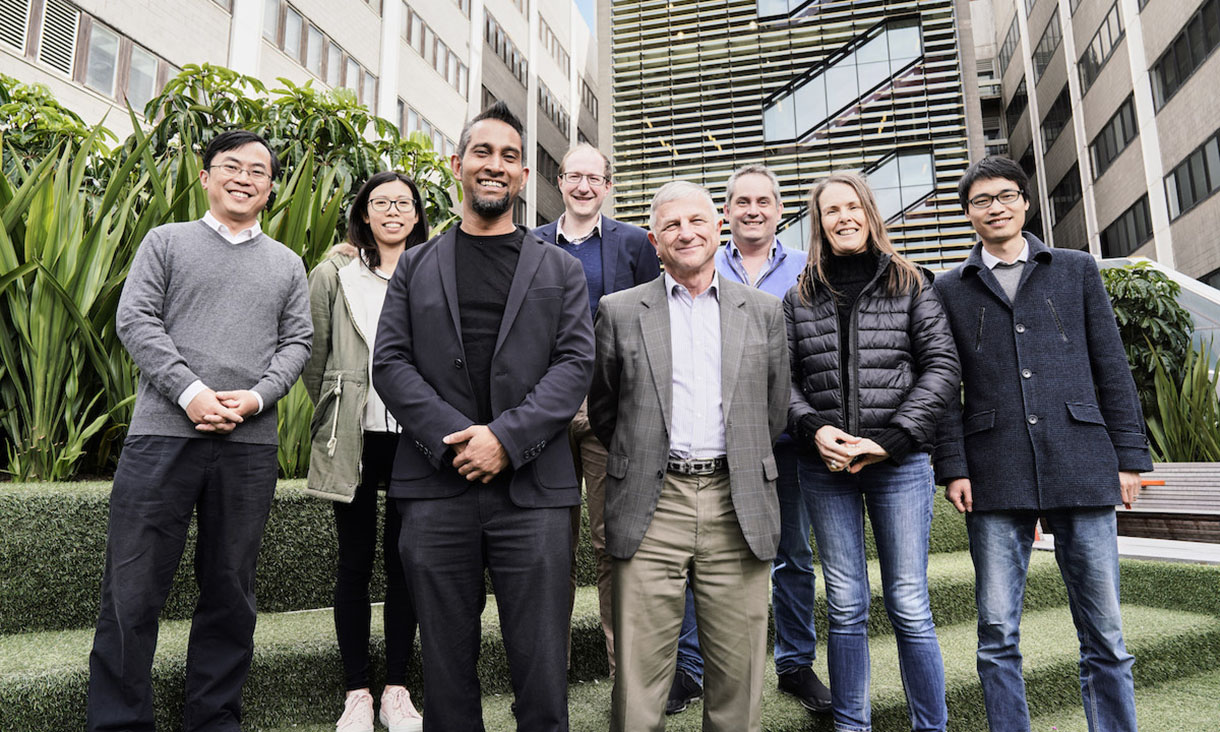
[804, 684]
[682, 693]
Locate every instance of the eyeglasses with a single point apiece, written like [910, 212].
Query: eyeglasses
[574, 178]
[381, 205]
[256, 175]
[983, 200]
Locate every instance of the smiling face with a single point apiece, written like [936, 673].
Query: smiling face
[583, 200]
[998, 223]
[492, 170]
[237, 200]
[753, 211]
[843, 221]
[686, 235]
[391, 227]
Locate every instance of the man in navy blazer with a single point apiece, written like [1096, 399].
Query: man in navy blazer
[483, 354]
[615, 256]
[1051, 428]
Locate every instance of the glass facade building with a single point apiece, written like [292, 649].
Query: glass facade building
[701, 88]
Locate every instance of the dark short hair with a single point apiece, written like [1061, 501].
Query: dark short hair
[990, 167]
[498, 111]
[360, 234]
[234, 139]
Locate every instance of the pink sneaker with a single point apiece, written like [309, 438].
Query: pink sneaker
[397, 711]
[357, 713]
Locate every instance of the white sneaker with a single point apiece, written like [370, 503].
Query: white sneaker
[397, 711]
[357, 713]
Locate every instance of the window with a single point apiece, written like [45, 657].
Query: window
[504, 48]
[1186, 53]
[551, 43]
[548, 167]
[1073, 4]
[464, 6]
[1016, 107]
[334, 66]
[1100, 48]
[1029, 7]
[1065, 195]
[1129, 231]
[1009, 47]
[313, 51]
[433, 50]
[271, 20]
[102, 64]
[901, 181]
[14, 23]
[293, 23]
[413, 121]
[1195, 178]
[554, 111]
[1047, 45]
[866, 64]
[351, 79]
[1029, 164]
[368, 90]
[1057, 118]
[588, 98]
[1113, 138]
[1211, 279]
[141, 78]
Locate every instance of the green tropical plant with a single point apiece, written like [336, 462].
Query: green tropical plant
[33, 123]
[1186, 424]
[1147, 310]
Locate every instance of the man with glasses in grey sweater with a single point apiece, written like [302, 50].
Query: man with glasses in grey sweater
[216, 315]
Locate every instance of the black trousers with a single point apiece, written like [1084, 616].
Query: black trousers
[446, 544]
[159, 483]
[356, 526]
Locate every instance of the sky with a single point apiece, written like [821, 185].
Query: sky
[589, 10]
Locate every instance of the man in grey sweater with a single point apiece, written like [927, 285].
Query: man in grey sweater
[216, 315]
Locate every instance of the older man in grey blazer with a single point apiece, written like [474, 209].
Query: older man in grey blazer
[689, 393]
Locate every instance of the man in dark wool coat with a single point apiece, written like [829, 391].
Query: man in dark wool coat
[1050, 428]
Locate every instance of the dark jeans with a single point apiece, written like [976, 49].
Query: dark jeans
[356, 526]
[159, 483]
[446, 544]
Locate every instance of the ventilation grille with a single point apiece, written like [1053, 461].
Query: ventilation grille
[58, 47]
[14, 22]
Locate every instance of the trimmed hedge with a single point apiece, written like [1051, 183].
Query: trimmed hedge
[53, 544]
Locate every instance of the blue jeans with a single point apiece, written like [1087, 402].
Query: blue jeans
[1086, 548]
[792, 580]
[899, 501]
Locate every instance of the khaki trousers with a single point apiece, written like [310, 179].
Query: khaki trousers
[694, 533]
[590, 457]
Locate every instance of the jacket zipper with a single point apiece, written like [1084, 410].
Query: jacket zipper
[1058, 323]
[334, 425]
[978, 336]
[852, 408]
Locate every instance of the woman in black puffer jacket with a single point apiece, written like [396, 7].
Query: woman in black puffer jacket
[873, 368]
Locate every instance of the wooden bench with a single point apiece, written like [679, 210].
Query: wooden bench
[1180, 501]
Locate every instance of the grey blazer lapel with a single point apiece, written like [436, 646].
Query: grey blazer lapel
[447, 257]
[732, 336]
[654, 325]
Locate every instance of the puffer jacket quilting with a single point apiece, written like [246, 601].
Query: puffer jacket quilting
[904, 363]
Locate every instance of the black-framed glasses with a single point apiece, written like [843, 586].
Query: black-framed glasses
[574, 178]
[984, 200]
[381, 205]
[257, 175]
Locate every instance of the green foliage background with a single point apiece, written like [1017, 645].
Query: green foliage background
[75, 208]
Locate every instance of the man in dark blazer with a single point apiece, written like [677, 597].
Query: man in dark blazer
[483, 363]
[690, 391]
[1051, 428]
[614, 256]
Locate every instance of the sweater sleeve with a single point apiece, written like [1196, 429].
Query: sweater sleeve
[293, 344]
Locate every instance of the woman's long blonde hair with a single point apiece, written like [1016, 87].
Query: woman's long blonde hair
[902, 277]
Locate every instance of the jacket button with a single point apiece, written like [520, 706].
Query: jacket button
[1026, 373]
[457, 363]
[1020, 327]
[660, 474]
[1032, 419]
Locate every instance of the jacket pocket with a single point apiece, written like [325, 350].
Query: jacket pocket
[978, 334]
[978, 422]
[1087, 413]
[616, 466]
[770, 469]
[1058, 323]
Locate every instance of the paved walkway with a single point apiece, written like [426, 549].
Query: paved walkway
[1164, 550]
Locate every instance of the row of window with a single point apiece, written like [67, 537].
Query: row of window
[588, 98]
[1056, 119]
[504, 47]
[1009, 46]
[1065, 195]
[288, 30]
[1016, 106]
[548, 166]
[1118, 132]
[409, 120]
[428, 45]
[1195, 178]
[1100, 48]
[1129, 231]
[80, 47]
[1047, 45]
[554, 111]
[1187, 52]
[551, 43]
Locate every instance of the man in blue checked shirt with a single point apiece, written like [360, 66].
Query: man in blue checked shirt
[755, 257]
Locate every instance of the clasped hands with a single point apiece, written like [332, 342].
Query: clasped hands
[219, 412]
[843, 451]
[478, 454]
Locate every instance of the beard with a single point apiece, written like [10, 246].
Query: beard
[491, 207]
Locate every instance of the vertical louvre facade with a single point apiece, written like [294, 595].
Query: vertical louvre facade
[705, 86]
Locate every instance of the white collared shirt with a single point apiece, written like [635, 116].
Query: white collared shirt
[694, 332]
[240, 237]
[574, 240]
[990, 260]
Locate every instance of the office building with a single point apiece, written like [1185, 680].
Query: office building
[427, 65]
